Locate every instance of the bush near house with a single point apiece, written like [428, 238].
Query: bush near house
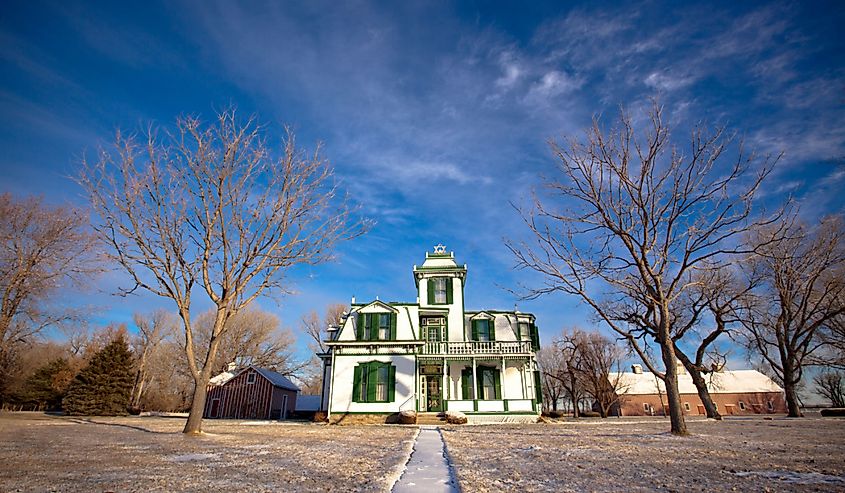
[103, 387]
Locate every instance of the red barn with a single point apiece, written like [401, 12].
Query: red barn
[733, 392]
[250, 393]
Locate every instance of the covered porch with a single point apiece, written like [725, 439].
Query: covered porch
[477, 384]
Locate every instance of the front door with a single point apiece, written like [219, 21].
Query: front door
[434, 402]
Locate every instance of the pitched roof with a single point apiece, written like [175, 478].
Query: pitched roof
[722, 382]
[277, 379]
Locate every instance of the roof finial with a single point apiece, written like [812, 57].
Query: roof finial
[439, 248]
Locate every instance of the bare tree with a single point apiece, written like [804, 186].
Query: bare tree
[568, 375]
[802, 290]
[43, 250]
[552, 366]
[252, 337]
[316, 328]
[600, 370]
[831, 386]
[213, 207]
[152, 329]
[636, 215]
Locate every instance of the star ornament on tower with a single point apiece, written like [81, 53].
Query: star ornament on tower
[440, 248]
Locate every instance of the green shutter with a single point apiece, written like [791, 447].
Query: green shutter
[392, 326]
[475, 330]
[479, 381]
[449, 282]
[372, 381]
[538, 389]
[391, 383]
[535, 338]
[430, 284]
[356, 384]
[466, 382]
[497, 383]
[372, 324]
[491, 329]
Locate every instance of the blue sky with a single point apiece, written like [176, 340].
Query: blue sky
[436, 116]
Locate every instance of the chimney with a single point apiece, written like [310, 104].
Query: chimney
[638, 369]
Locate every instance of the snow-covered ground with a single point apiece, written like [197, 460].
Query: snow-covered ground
[140, 454]
[44, 453]
[639, 455]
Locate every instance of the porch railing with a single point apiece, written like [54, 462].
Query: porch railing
[476, 347]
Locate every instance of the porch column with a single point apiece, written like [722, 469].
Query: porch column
[503, 379]
[446, 383]
[474, 382]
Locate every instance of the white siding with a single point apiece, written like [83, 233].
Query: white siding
[344, 372]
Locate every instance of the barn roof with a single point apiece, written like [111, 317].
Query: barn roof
[721, 382]
[275, 378]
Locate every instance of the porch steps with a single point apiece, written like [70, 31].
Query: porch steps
[430, 419]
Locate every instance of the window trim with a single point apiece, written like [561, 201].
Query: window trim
[742, 406]
[687, 407]
[250, 378]
[496, 380]
[361, 382]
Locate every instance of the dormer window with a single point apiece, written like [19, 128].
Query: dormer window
[483, 330]
[376, 327]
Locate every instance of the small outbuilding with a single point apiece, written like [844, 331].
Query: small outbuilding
[250, 393]
[733, 392]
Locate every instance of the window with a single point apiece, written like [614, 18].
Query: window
[646, 407]
[489, 383]
[381, 383]
[770, 405]
[374, 382]
[528, 332]
[383, 323]
[687, 406]
[439, 290]
[483, 330]
[376, 327]
[250, 378]
[741, 406]
[524, 331]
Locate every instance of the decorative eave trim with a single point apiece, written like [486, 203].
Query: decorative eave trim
[378, 303]
[409, 342]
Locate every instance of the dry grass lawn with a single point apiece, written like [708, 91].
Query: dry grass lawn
[635, 455]
[47, 453]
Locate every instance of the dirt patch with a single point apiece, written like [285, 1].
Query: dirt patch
[639, 455]
[46, 453]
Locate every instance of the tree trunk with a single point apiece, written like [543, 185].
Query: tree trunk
[194, 424]
[792, 405]
[704, 393]
[673, 396]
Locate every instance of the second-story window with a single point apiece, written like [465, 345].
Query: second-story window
[376, 327]
[483, 330]
[384, 326]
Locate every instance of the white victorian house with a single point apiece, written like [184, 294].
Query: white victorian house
[431, 355]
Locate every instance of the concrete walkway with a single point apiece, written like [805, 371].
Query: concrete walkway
[427, 469]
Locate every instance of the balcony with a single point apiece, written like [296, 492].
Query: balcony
[472, 348]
